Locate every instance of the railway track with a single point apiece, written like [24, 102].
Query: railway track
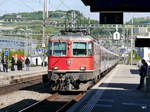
[58, 102]
[17, 84]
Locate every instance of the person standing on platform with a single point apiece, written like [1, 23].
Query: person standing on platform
[5, 64]
[2, 61]
[27, 63]
[36, 61]
[19, 64]
[12, 64]
[143, 73]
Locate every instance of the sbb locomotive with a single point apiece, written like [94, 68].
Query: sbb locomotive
[75, 58]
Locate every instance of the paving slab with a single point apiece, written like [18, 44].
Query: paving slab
[116, 93]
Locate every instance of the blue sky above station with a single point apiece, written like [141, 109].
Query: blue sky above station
[13, 6]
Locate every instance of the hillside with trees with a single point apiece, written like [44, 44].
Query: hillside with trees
[34, 21]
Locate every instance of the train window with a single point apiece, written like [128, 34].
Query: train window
[79, 48]
[59, 49]
[90, 49]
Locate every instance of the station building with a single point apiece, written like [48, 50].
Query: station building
[29, 46]
[16, 43]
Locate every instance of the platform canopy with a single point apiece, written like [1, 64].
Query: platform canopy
[118, 5]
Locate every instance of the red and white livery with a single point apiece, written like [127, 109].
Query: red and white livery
[75, 58]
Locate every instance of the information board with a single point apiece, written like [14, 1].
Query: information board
[142, 42]
[111, 18]
[6, 53]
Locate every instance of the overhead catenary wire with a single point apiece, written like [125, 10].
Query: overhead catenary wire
[60, 4]
[26, 5]
[65, 5]
[2, 2]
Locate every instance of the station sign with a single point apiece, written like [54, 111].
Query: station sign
[142, 42]
[111, 18]
[122, 50]
[6, 53]
[116, 36]
[41, 50]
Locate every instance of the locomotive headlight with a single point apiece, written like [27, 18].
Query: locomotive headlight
[55, 68]
[82, 68]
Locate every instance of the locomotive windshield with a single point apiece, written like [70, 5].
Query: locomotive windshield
[82, 49]
[78, 49]
[59, 49]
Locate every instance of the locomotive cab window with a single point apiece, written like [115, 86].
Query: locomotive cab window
[59, 49]
[79, 49]
[82, 49]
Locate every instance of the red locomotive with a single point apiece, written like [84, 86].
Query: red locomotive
[75, 58]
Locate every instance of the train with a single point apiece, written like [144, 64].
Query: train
[75, 58]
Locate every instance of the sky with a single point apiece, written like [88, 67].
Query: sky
[13, 6]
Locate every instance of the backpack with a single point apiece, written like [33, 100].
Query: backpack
[27, 61]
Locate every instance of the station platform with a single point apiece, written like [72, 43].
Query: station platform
[7, 77]
[115, 93]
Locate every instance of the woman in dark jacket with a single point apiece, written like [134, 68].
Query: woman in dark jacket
[143, 73]
[12, 63]
[19, 64]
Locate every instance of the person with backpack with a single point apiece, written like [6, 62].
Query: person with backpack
[27, 63]
[19, 64]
